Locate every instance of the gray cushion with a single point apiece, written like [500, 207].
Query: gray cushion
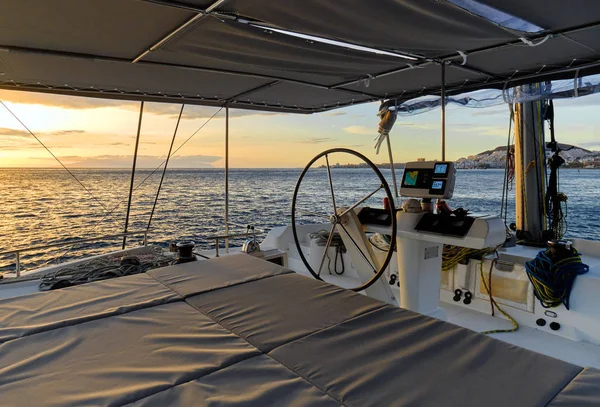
[259, 381]
[583, 391]
[26, 315]
[396, 357]
[116, 360]
[202, 276]
[273, 311]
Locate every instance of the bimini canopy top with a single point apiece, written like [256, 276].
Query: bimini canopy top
[297, 55]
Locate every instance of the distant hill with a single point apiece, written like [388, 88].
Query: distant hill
[564, 147]
[496, 158]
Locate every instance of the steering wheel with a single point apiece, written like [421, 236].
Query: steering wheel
[317, 180]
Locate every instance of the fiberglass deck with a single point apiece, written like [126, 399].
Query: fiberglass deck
[240, 331]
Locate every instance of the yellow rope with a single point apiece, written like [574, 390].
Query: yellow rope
[494, 303]
[531, 164]
[454, 255]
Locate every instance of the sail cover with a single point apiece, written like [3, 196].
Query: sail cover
[299, 56]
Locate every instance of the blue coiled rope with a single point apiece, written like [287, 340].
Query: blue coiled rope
[552, 281]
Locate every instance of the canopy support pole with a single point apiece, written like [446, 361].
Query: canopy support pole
[226, 179]
[389, 145]
[162, 177]
[135, 154]
[443, 101]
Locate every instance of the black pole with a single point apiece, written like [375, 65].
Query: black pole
[135, 153]
[165, 168]
[443, 98]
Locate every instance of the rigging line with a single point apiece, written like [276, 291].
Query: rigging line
[133, 167]
[145, 179]
[164, 162]
[165, 167]
[503, 209]
[56, 158]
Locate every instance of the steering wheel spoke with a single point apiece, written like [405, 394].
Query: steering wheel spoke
[325, 253]
[357, 247]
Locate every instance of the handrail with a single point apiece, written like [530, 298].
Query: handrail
[17, 252]
[228, 236]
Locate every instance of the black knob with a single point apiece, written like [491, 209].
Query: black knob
[458, 291]
[467, 300]
[456, 298]
[468, 295]
[555, 326]
[541, 322]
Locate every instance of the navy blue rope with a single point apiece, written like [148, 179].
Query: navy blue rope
[552, 281]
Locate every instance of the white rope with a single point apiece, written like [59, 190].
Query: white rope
[532, 44]
[388, 118]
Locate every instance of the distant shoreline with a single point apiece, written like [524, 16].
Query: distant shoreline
[351, 166]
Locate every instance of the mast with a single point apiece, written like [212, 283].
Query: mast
[530, 170]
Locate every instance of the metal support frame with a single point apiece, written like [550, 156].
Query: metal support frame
[443, 104]
[135, 154]
[492, 80]
[179, 29]
[162, 177]
[226, 181]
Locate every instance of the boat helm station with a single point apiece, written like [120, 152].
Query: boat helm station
[420, 236]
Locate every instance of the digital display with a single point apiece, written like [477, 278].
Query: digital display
[410, 178]
[428, 179]
[440, 169]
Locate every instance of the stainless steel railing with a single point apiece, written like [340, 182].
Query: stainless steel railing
[228, 236]
[17, 252]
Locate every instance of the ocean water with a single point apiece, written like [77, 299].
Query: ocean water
[42, 206]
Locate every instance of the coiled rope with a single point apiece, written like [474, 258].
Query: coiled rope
[340, 249]
[553, 280]
[102, 269]
[454, 255]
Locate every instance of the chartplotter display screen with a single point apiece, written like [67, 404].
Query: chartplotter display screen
[441, 169]
[428, 179]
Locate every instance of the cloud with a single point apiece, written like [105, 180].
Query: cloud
[315, 140]
[479, 130]
[144, 161]
[363, 130]
[335, 113]
[588, 144]
[490, 112]
[419, 126]
[66, 132]
[172, 110]
[5, 131]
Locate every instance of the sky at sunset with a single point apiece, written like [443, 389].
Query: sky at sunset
[86, 132]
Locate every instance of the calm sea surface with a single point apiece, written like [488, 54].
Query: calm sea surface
[41, 206]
